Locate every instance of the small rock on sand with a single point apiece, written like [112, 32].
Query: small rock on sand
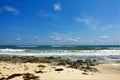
[85, 73]
[39, 71]
[43, 66]
[59, 69]
[29, 76]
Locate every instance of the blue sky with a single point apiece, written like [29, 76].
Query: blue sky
[59, 22]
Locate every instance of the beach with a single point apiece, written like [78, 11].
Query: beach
[60, 62]
[59, 39]
[56, 68]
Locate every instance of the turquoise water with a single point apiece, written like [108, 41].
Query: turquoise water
[64, 47]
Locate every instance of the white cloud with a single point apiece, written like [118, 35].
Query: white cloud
[100, 39]
[85, 21]
[18, 39]
[64, 37]
[93, 24]
[57, 6]
[11, 9]
[59, 38]
[104, 37]
[56, 36]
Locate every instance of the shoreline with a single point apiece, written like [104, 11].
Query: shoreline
[56, 68]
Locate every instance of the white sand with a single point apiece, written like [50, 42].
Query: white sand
[107, 72]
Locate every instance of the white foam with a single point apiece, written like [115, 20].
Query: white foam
[12, 50]
[62, 52]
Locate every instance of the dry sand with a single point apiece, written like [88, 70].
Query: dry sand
[107, 72]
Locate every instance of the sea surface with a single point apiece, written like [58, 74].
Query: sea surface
[102, 52]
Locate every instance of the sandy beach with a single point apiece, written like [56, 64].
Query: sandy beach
[50, 71]
[59, 39]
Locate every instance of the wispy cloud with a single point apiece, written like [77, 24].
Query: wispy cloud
[64, 37]
[60, 38]
[85, 21]
[104, 37]
[107, 27]
[57, 6]
[11, 9]
[68, 38]
[56, 19]
[18, 39]
[45, 14]
[93, 24]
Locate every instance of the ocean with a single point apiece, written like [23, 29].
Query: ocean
[102, 52]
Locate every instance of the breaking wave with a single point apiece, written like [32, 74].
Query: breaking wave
[12, 50]
[103, 52]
